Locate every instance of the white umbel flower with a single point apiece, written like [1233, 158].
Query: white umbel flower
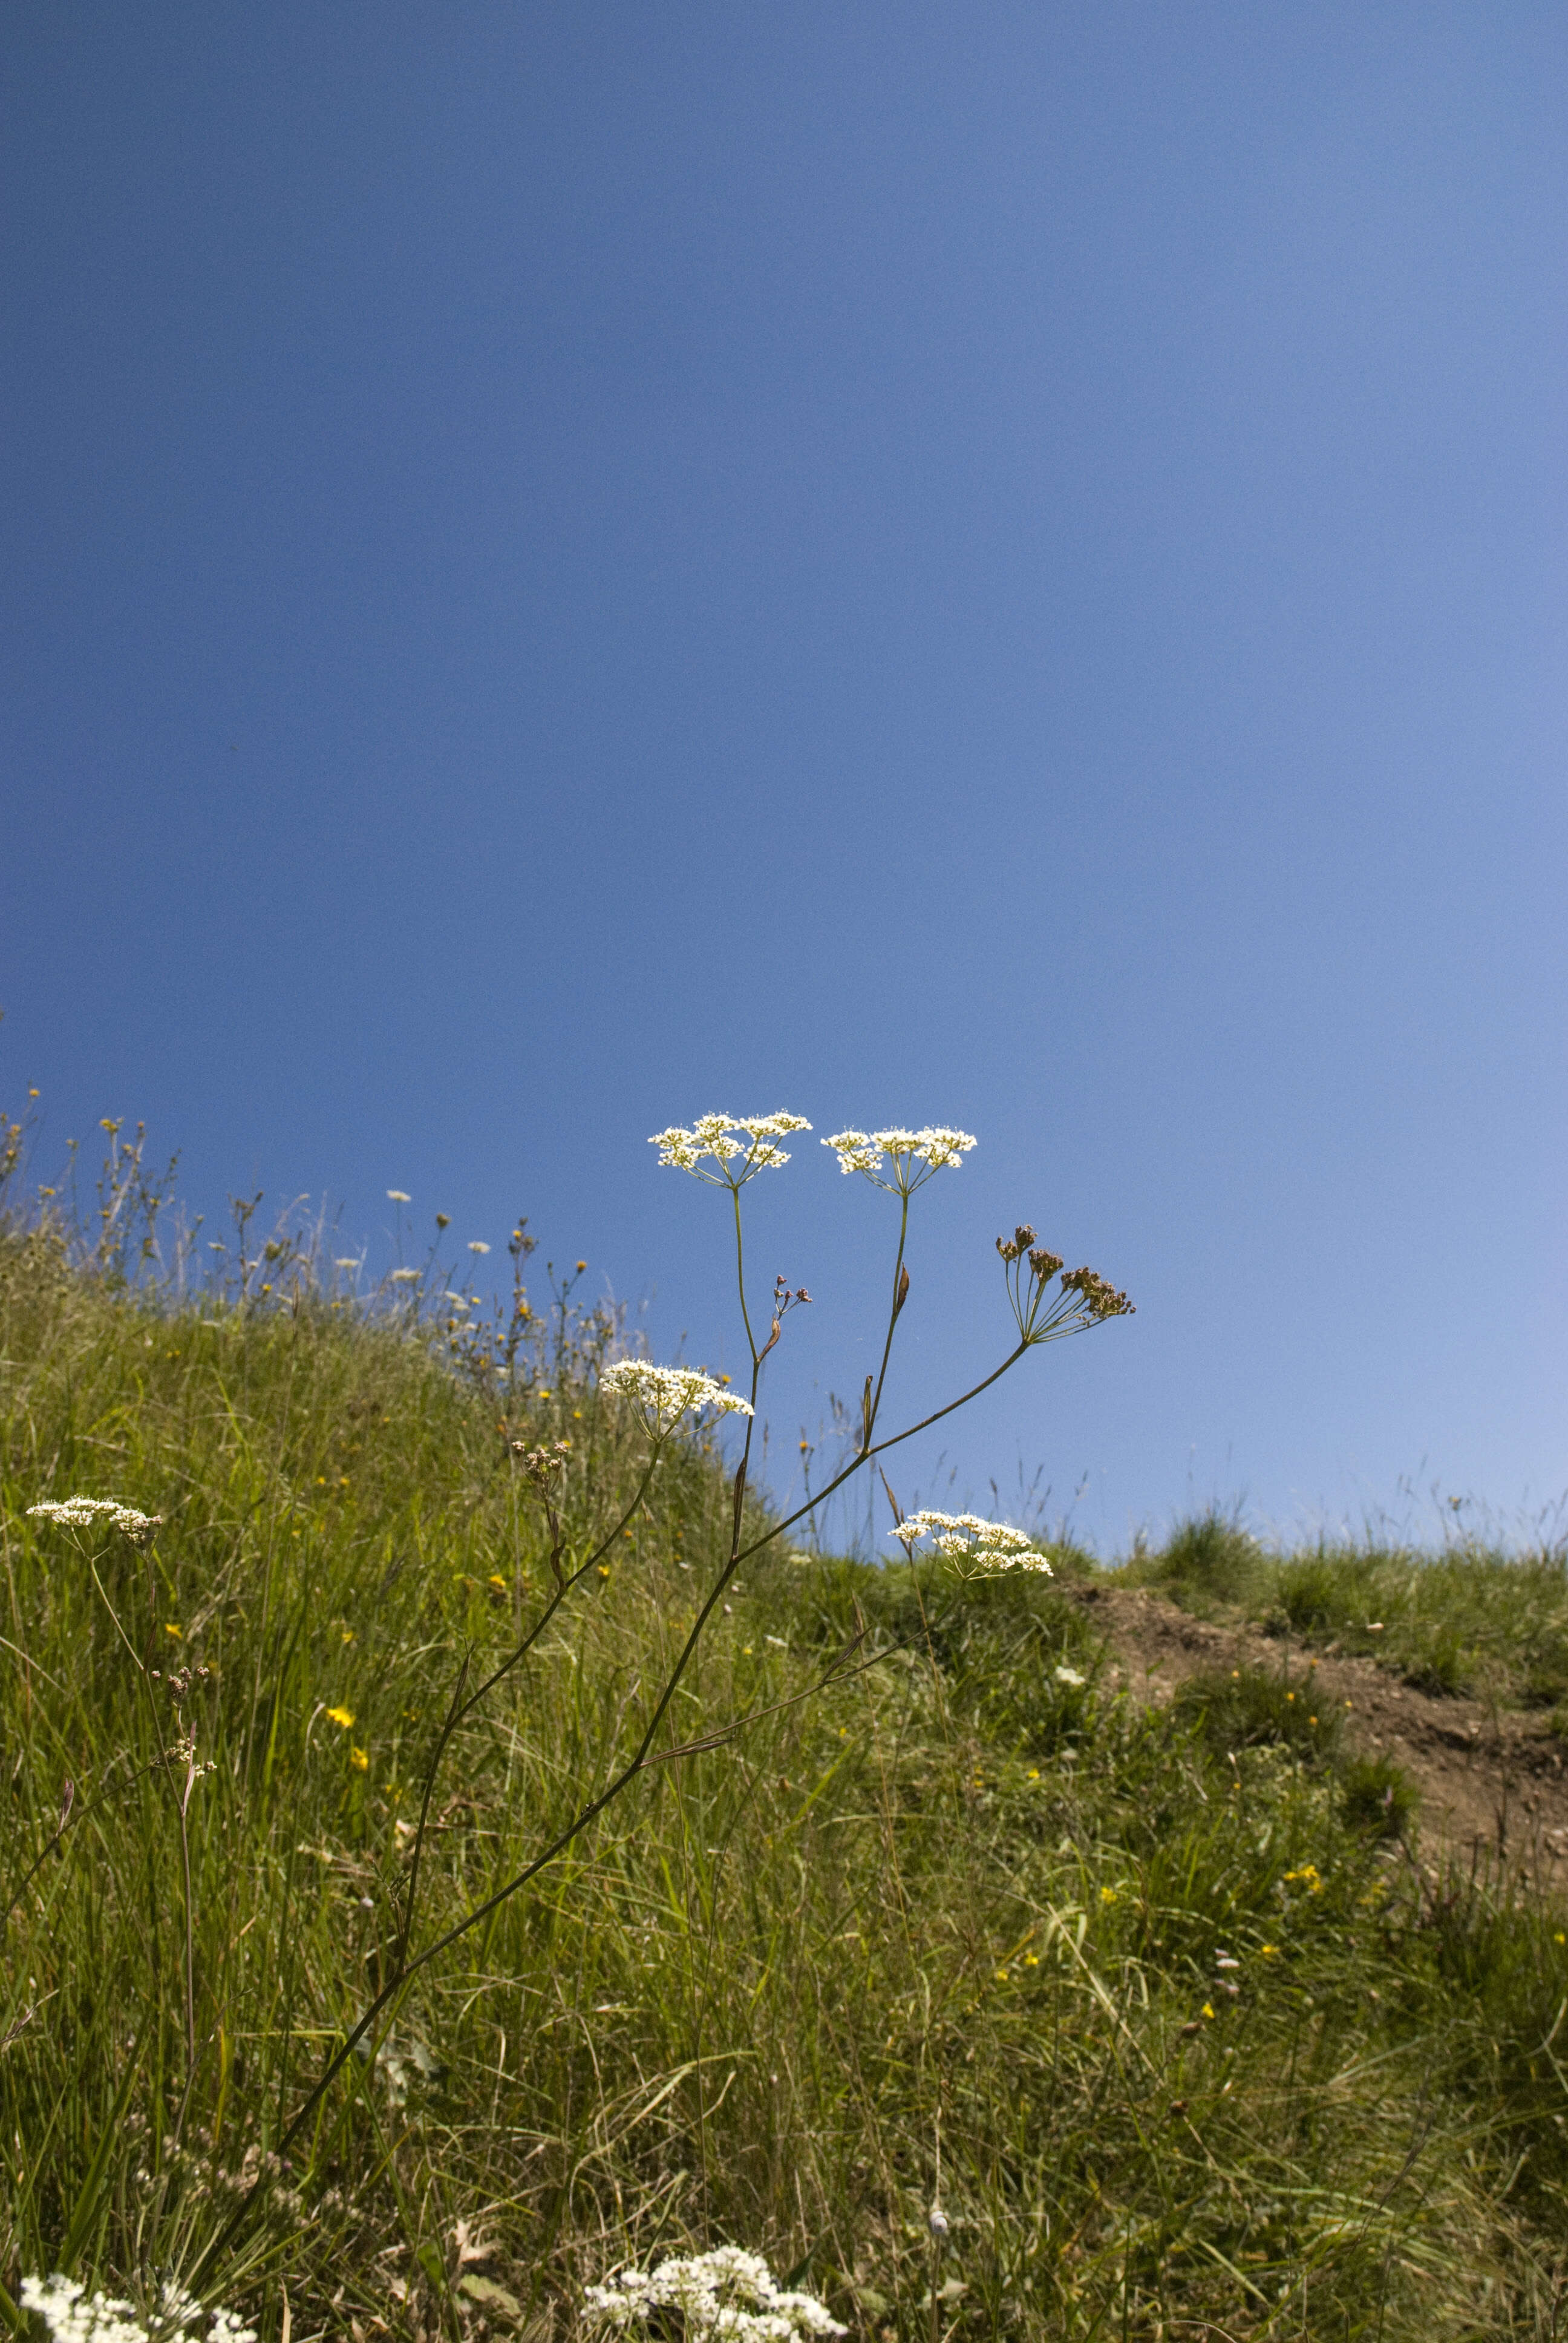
[660, 1396]
[913, 1155]
[974, 1548]
[87, 1512]
[746, 1141]
[74, 2316]
[727, 2294]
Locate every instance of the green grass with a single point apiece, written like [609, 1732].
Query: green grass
[1192, 2038]
[1470, 1619]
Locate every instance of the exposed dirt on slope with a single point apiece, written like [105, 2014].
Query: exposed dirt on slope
[1492, 1783]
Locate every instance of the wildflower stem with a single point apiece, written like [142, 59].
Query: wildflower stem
[160, 1764]
[892, 1320]
[459, 1708]
[740, 1279]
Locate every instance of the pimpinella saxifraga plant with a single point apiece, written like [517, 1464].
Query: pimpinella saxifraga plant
[663, 1407]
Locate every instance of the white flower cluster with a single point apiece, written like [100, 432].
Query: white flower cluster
[915, 1154]
[727, 1138]
[83, 1512]
[73, 2316]
[662, 1395]
[976, 1548]
[726, 2294]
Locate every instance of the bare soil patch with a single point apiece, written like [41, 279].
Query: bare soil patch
[1492, 1783]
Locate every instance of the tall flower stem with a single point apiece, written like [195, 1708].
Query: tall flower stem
[892, 1318]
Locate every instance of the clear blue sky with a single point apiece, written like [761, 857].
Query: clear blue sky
[1005, 565]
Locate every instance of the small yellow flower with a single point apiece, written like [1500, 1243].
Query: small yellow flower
[1559, 1938]
[170, 1629]
[1001, 1976]
[1107, 1894]
[1208, 2010]
[359, 1759]
[1034, 1773]
[343, 1716]
[1031, 1960]
[1290, 1695]
[1270, 1952]
[349, 1635]
[604, 1570]
[497, 1580]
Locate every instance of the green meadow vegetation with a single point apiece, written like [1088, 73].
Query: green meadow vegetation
[1466, 1619]
[1156, 2005]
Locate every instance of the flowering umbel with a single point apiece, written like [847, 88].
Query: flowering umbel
[914, 1156]
[739, 1145]
[74, 2316]
[973, 1547]
[1083, 1299]
[728, 2296]
[83, 1513]
[660, 1396]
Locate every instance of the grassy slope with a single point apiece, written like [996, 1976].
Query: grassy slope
[961, 1899]
[1469, 1620]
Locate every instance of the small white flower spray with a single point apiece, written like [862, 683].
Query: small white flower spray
[726, 2296]
[71, 2315]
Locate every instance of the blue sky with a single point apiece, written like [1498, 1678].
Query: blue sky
[571, 567]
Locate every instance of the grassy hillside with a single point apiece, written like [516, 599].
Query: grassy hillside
[1468, 1620]
[1182, 2043]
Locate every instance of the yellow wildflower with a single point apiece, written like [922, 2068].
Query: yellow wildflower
[343, 1716]
[359, 1759]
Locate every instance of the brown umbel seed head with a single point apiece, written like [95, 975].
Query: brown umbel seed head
[1100, 1298]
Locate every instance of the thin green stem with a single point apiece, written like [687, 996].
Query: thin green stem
[459, 1708]
[892, 1318]
[734, 1186]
